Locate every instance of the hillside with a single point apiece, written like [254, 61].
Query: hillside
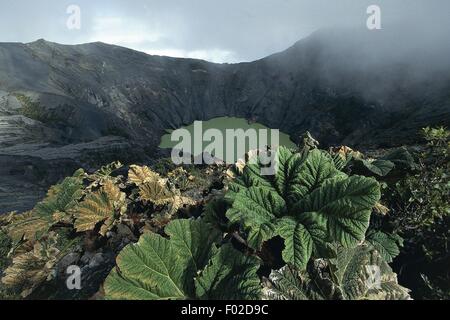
[64, 107]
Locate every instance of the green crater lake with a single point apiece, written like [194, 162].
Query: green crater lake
[222, 124]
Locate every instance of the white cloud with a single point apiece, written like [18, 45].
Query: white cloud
[121, 31]
[231, 31]
[125, 32]
[214, 55]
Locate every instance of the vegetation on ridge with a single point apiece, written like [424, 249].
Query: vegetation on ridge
[316, 229]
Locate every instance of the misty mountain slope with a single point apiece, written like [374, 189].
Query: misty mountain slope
[67, 106]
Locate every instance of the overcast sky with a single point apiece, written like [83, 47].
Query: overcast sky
[219, 31]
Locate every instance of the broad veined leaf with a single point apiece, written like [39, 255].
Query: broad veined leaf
[256, 208]
[402, 158]
[361, 273]
[105, 172]
[150, 269]
[116, 196]
[248, 174]
[357, 273]
[320, 204]
[27, 225]
[343, 155]
[380, 168]
[192, 240]
[388, 245]
[257, 236]
[159, 194]
[288, 172]
[229, 276]
[314, 171]
[159, 268]
[341, 161]
[345, 205]
[60, 199]
[95, 208]
[297, 241]
[289, 283]
[101, 206]
[29, 269]
[294, 177]
[251, 176]
[303, 236]
[140, 175]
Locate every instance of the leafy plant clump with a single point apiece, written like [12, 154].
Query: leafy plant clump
[324, 225]
[85, 214]
[189, 265]
[308, 202]
[420, 203]
[347, 276]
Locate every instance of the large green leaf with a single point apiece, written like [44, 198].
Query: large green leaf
[295, 175]
[160, 268]
[345, 205]
[255, 206]
[150, 269]
[61, 197]
[297, 241]
[251, 176]
[308, 203]
[192, 240]
[288, 171]
[316, 170]
[229, 276]
[388, 245]
[402, 159]
[258, 235]
[380, 168]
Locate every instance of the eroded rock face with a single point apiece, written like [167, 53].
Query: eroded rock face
[62, 107]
